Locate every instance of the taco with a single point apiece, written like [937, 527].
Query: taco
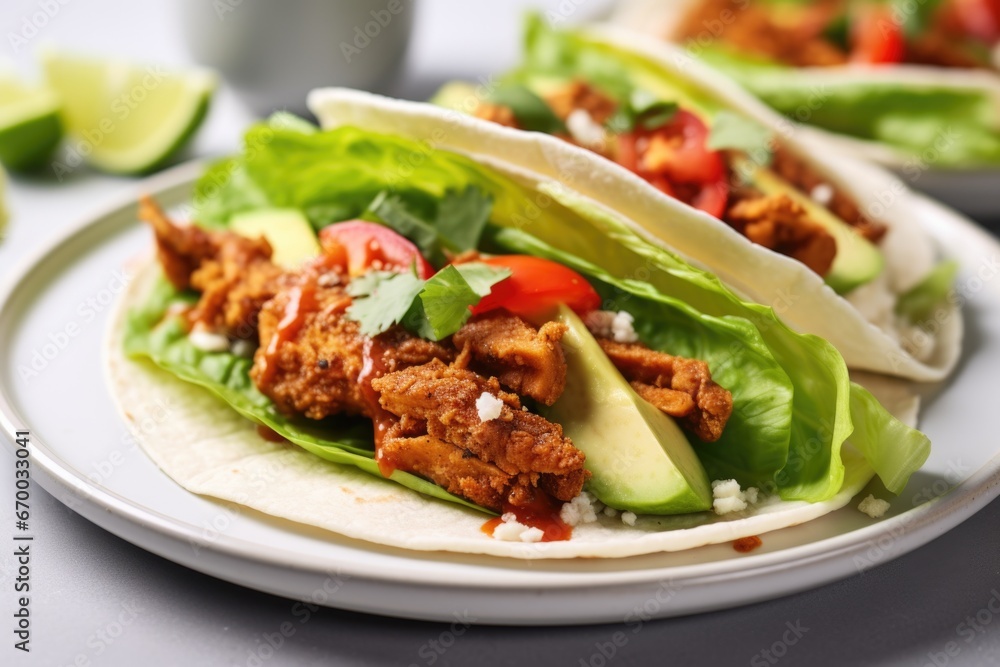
[395, 342]
[716, 176]
[910, 84]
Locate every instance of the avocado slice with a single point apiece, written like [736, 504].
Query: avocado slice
[858, 260]
[456, 95]
[291, 236]
[638, 457]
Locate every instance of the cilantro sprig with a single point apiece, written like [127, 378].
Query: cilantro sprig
[433, 309]
[458, 223]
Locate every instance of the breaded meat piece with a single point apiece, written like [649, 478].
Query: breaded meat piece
[234, 274]
[680, 387]
[526, 360]
[780, 223]
[313, 370]
[517, 442]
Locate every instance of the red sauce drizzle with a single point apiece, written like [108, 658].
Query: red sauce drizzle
[541, 512]
[301, 300]
[374, 366]
[745, 545]
[269, 434]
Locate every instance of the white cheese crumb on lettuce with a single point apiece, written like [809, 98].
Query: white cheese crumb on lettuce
[874, 507]
[728, 497]
[208, 341]
[488, 406]
[628, 518]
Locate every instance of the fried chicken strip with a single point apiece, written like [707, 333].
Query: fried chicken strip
[680, 387]
[234, 274]
[527, 360]
[517, 442]
[314, 369]
[783, 225]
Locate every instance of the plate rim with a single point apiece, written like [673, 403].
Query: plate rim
[920, 523]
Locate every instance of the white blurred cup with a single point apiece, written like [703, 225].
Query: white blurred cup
[273, 53]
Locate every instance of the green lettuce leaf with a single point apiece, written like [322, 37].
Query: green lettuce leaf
[942, 126]
[920, 301]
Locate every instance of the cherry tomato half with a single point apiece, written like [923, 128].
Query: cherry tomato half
[876, 37]
[537, 285]
[359, 246]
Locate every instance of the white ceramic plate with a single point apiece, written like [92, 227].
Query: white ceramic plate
[52, 322]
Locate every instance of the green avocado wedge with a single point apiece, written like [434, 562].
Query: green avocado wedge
[638, 457]
[289, 233]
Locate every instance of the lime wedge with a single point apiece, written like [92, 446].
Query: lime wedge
[29, 123]
[3, 204]
[124, 118]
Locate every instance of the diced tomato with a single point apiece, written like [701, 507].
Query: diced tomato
[978, 18]
[359, 246]
[675, 159]
[537, 285]
[876, 37]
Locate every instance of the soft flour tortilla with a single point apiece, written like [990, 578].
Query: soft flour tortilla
[800, 296]
[209, 449]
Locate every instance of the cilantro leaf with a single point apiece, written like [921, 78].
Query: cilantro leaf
[458, 222]
[732, 131]
[434, 308]
[641, 107]
[382, 299]
[462, 217]
[530, 110]
[446, 299]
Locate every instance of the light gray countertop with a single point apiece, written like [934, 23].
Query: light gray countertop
[98, 600]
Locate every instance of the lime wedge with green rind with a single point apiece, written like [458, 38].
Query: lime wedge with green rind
[30, 128]
[125, 118]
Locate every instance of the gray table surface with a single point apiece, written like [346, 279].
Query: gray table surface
[98, 600]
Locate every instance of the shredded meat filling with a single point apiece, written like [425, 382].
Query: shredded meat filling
[528, 361]
[526, 446]
[496, 113]
[781, 224]
[234, 274]
[803, 178]
[680, 387]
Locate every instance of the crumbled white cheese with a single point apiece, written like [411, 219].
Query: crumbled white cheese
[610, 512]
[727, 496]
[579, 510]
[208, 341]
[488, 406]
[628, 518]
[874, 507]
[621, 328]
[242, 348]
[822, 194]
[532, 535]
[617, 326]
[585, 129]
[511, 530]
